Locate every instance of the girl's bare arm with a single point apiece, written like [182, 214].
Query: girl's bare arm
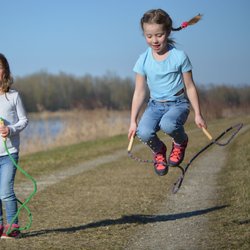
[193, 98]
[137, 101]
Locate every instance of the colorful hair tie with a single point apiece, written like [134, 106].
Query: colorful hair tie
[192, 21]
[184, 25]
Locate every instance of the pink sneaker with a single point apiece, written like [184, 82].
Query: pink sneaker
[177, 153]
[15, 233]
[160, 163]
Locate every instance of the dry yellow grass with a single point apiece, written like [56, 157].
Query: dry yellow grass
[78, 126]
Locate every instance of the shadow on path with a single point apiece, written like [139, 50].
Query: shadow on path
[126, 219]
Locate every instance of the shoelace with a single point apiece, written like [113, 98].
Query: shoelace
[176, 153]
[160, 161]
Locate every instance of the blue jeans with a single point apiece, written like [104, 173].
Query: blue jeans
[7, 195]
[169, 117]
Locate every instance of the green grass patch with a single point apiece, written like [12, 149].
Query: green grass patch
[230, 228]
[44, 162]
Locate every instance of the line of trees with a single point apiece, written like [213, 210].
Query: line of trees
[44, 91]
[225, 100]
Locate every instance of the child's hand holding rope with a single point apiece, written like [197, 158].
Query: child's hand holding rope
[4, 130]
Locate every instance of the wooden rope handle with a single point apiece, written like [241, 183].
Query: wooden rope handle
[130, 143]
[1, 122]
[209, 136]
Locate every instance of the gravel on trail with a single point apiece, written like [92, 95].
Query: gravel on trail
[180, 222]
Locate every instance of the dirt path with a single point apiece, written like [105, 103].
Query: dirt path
[181, 221]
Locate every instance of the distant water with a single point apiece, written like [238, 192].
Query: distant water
[42, 129]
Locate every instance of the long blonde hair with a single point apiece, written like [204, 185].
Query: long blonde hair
[7, 80]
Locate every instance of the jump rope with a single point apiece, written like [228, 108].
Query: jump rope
[23, 204]
[234, 129]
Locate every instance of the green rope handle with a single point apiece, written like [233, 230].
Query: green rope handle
[23, 204]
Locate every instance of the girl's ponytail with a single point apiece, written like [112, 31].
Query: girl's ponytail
[192, 21]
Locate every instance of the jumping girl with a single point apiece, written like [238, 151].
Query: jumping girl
[168, 73]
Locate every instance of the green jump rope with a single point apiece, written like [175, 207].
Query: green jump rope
[23, 204]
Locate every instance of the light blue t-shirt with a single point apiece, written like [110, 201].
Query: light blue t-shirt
[164, 78]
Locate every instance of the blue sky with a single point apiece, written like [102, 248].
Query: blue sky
[97, 37]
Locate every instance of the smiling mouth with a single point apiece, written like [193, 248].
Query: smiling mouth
[156, 47]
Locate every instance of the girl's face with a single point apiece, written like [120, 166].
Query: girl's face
[156, 37]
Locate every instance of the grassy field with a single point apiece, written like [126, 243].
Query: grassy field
[101, 208]
[231, 228]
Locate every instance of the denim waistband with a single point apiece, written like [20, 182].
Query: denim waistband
[176, 99]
